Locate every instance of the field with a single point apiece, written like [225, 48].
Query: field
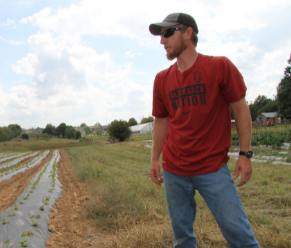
[108, 198]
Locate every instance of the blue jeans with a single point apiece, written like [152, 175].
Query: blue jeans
[219, 193]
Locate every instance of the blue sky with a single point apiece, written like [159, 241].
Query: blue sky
[95, 61]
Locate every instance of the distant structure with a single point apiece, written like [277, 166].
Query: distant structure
[96, 127]
[266, 116]
[81, 130]
[32, 130]
[146, 128]
[105, 128]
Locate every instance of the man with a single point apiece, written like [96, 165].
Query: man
[191, 104]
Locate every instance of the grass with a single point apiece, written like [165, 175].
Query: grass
[133, 209]
[127, 203]
[38, 144]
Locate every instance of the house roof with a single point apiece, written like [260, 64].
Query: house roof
[95, 127]
[139, 127]
[269, 114]
[80, 129]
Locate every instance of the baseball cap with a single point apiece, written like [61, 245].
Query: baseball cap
[174, 19]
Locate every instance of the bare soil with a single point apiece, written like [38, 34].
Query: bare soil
[69, 226]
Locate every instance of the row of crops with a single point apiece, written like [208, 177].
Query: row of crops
[25, 224]
[8, 156]
[12, 167]
[273, 139]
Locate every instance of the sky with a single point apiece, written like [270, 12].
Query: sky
[95, 61]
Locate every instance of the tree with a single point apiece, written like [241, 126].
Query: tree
[5, 134]
[50, 129]
[284, 92]
[24, 136]
[78, 135]
[83, 125]
[119, 130]
[261, 101]
[146, 120]
[271, 106]
[254, 109]
[98, 124]
[132, 122]
[70, 132]
[15, 130]
[87, 130]
[61, 130]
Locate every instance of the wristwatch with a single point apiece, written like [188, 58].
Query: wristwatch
[248, 154]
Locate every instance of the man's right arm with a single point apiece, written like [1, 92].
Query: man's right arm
[161, 126]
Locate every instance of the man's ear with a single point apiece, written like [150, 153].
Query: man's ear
[189, 32]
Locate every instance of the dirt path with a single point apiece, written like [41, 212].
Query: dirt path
[12, 188]
[69, 226]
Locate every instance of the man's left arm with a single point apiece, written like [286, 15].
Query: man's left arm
[243, 123]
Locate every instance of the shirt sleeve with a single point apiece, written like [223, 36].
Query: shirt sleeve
[159, 108]
[232, 84]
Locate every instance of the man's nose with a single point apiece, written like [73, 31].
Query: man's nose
[163, 40]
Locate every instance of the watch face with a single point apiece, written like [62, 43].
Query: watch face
[249, 154]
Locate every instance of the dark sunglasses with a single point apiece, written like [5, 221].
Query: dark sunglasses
[169, 32]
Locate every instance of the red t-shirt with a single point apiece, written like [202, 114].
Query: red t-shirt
[196, 102]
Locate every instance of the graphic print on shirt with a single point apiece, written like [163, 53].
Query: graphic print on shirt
[189, 96]
[197, 76]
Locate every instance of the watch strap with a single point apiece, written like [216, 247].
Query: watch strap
[248, 154]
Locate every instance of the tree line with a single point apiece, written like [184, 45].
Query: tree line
[63, 131]
[10, 132]
[281, 102]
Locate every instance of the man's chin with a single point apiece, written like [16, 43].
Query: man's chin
[170, 56]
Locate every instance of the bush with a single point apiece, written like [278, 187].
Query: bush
[119, 130]
[274, 139]
[234, 139]
[25, 136]
[289, 135]
[147, 120]
[78, 135]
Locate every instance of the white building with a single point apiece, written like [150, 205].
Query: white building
[146, 128]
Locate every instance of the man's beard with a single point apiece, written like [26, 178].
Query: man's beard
[178, 49]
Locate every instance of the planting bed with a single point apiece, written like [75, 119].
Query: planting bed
[21, 214]
[11, 168]
[25, 222]
[11, 156]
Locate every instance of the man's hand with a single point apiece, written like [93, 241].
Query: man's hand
[155, 173]
[243, 165]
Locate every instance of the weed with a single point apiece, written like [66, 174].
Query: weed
[41, 207]
[27, 233]
[34, 223]
[23, 243]
[4, 221]
[7, 241]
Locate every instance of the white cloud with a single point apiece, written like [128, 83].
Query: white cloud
[74, 80]
[70, 80]
[132, 54]
[7, 23]
[38, 17]
[12, 41]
